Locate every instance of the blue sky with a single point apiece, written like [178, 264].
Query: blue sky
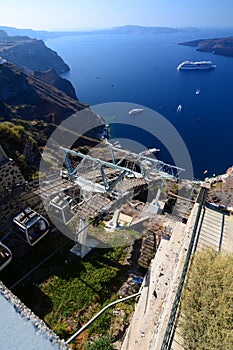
[77, 14]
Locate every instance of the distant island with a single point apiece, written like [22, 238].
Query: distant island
[126, 29]
[135, 29]
[219, 46]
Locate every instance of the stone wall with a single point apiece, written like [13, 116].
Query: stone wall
[14, 194]
[10, 176]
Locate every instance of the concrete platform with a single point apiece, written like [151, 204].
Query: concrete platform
[149, 321]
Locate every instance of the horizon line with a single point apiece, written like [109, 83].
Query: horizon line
[116, 26]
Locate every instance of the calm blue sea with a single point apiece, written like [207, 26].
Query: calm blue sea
[141, 69]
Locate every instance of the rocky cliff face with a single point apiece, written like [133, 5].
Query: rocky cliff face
[221, 191]
[51, 77]
[35, 107]
[14, 88]
[30, 54]
[220, 46]
[28, 97]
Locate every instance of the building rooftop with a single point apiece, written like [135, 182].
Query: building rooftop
[21, 329]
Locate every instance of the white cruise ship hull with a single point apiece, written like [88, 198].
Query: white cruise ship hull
[202, 65]
[196, 68]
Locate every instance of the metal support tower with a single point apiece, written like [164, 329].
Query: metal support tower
[117, 178]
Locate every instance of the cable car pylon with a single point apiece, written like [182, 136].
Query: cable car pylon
[105, 185]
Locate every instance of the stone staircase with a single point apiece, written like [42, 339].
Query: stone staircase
[148, 250]
[213, 229]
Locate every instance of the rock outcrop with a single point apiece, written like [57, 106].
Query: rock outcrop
[51, 77]
[30, 54]
[29, 97]
[221, 191]
[220, 46]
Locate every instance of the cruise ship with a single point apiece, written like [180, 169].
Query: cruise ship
[202, 65]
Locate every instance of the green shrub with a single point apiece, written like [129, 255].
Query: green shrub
[11, 136]
[103, 343]
[207, 303]
[83, 288]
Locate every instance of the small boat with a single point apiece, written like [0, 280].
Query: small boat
[198, 91]
[179, 109]
[149, 151]
[117, 144]
[135, 111]
[152, 150]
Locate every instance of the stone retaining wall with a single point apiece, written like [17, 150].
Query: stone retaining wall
[10, 176]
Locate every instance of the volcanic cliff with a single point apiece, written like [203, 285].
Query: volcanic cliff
[51, 77]
[30, 54]
[29, 97]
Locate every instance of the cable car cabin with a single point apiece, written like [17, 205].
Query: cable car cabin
[60, 208]
[32, 225]
[5, 256]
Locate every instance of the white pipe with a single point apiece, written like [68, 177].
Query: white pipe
[98, 314]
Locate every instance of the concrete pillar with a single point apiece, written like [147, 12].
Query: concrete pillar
[81, 247]
[154, 205]
[114, 223]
